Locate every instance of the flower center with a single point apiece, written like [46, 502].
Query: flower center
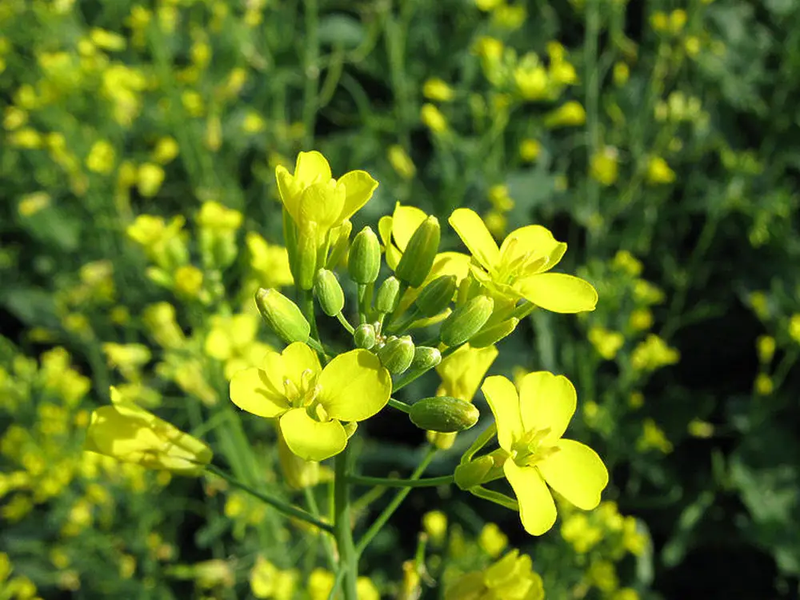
[516, 263]
[306, 393]
[531, 448]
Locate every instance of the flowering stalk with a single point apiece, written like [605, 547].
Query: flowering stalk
[348, 557]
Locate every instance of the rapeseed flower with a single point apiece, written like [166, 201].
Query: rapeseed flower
[511, 578]
[529, 429]
[232, 339]
[311, 402]
[518, 268]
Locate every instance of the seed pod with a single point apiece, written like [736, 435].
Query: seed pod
[444, 414]
[364, 262]
[329, 293]
[397, 354]
[364, 336]
[495, 333]
[388, 295]
[418, 257]
[282, 316]
[437, 295]
[466, 321]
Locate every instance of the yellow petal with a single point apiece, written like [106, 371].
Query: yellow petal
[243, 329]
[450, 263]
[359, 186]
[547, 401]
[311, 167]
[475, 235]
[393, 255]
[576, 472]
[298, 358]
[218, 344]
[322, 203]
[462, 371]
[310, 439]
[536, 507]
[534, 240]
[405, 221]
[290, 191]
[253, 392]
[354, 385]
[503, 400]
[559, 293]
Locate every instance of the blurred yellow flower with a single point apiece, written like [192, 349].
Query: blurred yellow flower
[165, 151]
[764, 384]
[232, 339]
[794, 327]
[101, 157]
[492, 540]
[31, 204]
[607, 343]
[149, 179]
[401, 162]
[434, 523]
[529, 150]
[627, 262]
[510, 578]
[653, 353]
[433, 118]
[437, 90]
[107, 40]
[653, 438]
[765, 344]
[570, 114]
[658, 171]
[641, 319]
[603, 166]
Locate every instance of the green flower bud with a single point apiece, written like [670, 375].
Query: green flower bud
[474, 472]
[418, 257]
[282, 316]
[364, 336]
[397, 354]
[425, 358]
[388, 295]
[365, 257]
[437, 295]
[466, 321]
[444, 414]
[306, 258]
[495, 333]
[329, 293]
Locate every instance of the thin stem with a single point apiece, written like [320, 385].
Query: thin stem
[394, 504]
[282, 506]
[479, 443]
[348, 556]
[411, 483]
[308, 311]
[345, 323]
[311, 68]
[592, 100]
[406, 408]
[313, 508]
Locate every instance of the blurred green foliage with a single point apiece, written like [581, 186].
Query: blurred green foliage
[659, 140]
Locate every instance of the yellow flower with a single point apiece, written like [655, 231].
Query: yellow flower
[101, 158]
[492, 540]
[529, 429]
[433, 118]
[627, 262]
[310, 402]
[435, 525]
[641, 319]
[570, 114]
[529, 150]
[653, 437]
[107, 40]
[607, 343]
[232, 339]
[621, 73]
[764, 385]
[531, 78]
[794, 327]
[518, 268]
[510, 578]
[131, 434]
[320, 584]
[30, 204]
[269, 262]
[488, 5]
[401, 162]
[658, 171]
[149, 179]
[437, 90]
[653, 353]
[604, 167]
[166, 150]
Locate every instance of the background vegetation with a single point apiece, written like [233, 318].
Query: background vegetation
[659, 139]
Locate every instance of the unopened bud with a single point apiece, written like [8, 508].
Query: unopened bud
[282, 316]
[306, 258]
[397, 354]
[340, 241]
[425, 358]
[437, 295]
[364, 262]
[364, 336]
[329, 293]
[495, 333]
[466, 321]
[418, 257]
[444, 414]
[388, 295]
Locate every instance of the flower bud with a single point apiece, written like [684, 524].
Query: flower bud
[282, 316]
[364, 262]
[388, 295]
[306, 258]
[444, 414]
[340, 242]
[364, 336]
[437, 295]
[418, 257]
[329, 293]
[474, 472]
[466, 321]
[397, 354]
[425, 358]
[495, 333]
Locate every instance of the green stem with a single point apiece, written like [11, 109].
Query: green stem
[282, 506]
[311, 69]
[342, 528]
[394, 504]
[345, 323]
[479, 443]
[308, 311]
[411, 483]
[590, 52]
[406, 408]
[313, 508]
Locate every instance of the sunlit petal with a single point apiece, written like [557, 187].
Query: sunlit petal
[252, 392]
[405, 221]
[310, 439]
[476, 236]
[297, 358]
[536, 507]
[559, 293]
[547, 401]
[576, 472]
[359, 186]
[503, 400]
[311, 167]
[535, 241]
[354, 386]
[322, 203]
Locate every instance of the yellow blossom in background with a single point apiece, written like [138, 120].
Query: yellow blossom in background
[30, 204]
[320, 584]
[607, 343]
[529, 150]
[659, 172]
[794, 327]
[580, 532]
[653, 353]
[492, 540]
[531, 78]
[131, 434]
[188, 281]
[269, 262]
[401, 162]
[232, 340]
[498, 196]
[641, 319]
[311, 402]
[434, 523]
[128, 358]
[646, 292]
[101, 158]
[627, 262]
[488, 5]
[765, 344]
[700, 429]
[530, 424]
[14, 118]
[764, 385]
[603, 166]
[107, 40]
[760, 304]
[165, 151]
[653, 437]
[149, 179]
[621, 73]
[510, 578]
[510, 17]
[253, 122]
[437, 90]
[570, 114]
[433, 118]
[267, 581]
